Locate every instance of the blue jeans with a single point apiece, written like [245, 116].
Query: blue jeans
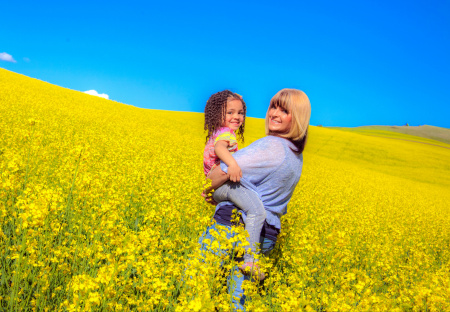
[236, 278]
[248, 201]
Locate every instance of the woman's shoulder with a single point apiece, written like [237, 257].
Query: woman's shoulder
[271, 148]
[279, 147]
[274, 141]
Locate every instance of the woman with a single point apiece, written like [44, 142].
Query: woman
[271, 167]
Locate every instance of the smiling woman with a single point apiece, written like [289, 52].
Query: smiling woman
[289, 105]
[279, 119]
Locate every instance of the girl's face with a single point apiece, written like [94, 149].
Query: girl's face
[234, 115]
[279, 119]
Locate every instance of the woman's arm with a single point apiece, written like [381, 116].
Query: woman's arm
[215, 179]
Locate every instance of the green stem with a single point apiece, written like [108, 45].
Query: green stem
[17, 274]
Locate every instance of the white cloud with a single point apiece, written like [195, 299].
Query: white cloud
[93, 92]
[6, 57]
[26, 59]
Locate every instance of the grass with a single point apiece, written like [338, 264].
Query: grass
[100, 210]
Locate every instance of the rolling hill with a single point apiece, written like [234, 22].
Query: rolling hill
[428, 132]
[100, 209]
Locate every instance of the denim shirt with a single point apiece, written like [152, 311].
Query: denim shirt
[271, 169]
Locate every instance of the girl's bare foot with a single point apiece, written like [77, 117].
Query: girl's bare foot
[253, 270]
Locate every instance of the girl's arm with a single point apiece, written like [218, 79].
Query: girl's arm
[221, 150]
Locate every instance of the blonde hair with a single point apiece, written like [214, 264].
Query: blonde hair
[297, 104]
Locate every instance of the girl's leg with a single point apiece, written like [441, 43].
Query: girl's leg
[251, 204]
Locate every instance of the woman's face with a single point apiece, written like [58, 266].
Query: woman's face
[279, 119]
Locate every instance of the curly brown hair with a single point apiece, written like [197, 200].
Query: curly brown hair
[215, 110]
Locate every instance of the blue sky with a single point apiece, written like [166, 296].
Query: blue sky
[360, 62]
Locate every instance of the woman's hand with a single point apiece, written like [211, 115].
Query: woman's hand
[217, 177]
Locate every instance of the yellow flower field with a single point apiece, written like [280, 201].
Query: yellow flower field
[100, 210]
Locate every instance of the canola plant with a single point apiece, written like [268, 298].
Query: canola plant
[100, 210]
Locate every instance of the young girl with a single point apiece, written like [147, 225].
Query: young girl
[224, 117]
